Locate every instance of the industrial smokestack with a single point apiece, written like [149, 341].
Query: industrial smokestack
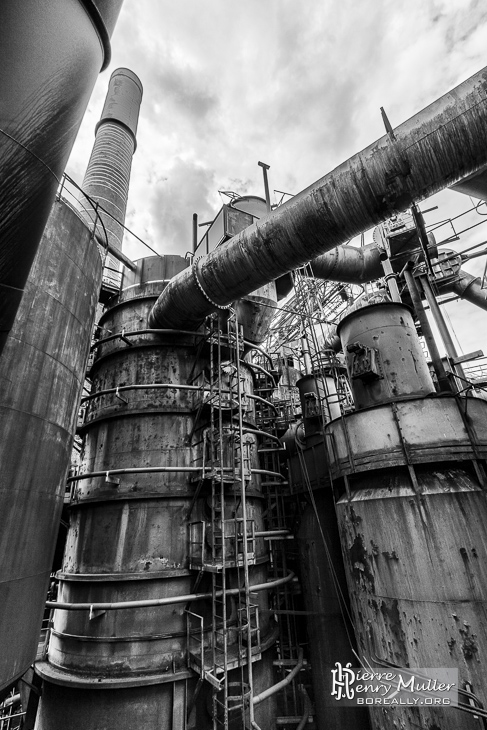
[107, 177]
[50, 55]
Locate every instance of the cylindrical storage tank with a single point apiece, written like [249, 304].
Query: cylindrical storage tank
[130, 536]
[383, 354]
[411, 516]
[416, 566]
[50, 55]
[319, 401]
[41, 376]
[325, 596]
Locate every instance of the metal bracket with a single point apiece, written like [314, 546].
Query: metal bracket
[125, 339]
[365, 363]
[95, 613]
[117, 395]
[113, 481]
[311, 405]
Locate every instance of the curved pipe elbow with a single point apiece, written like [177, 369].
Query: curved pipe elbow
[468, 287]
[349, 265]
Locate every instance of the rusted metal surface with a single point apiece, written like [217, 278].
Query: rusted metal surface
[433, 149]
[319, 401]
[422, 430]
[128, 537]
[383, 354]
[41, 377]
[416, 564]
[50, 54]
[99, 707]
[411, 517]
[474, 185]
[256, 311]
[329, 629]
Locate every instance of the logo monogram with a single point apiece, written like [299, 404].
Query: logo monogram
[343, 679]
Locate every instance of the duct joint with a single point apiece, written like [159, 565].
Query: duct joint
[194, 270]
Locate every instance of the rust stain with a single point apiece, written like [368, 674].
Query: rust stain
[360, 564]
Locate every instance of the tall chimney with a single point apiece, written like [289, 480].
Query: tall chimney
[108, 174]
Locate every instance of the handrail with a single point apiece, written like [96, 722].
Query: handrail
[283, 683]
[134, 333]
[160, 469]
[169, 601]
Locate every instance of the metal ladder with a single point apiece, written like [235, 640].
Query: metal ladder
[225, 544]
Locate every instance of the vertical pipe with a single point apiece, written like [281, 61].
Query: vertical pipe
[266, 185]
[450, 348]
[306, 355]
[50, 55]
[391, 280]
[195, 232]
[443, 382]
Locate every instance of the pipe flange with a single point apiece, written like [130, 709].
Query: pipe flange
[200, 287]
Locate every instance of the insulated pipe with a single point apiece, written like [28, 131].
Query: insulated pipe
[429, 153]
[50, 55]
[349, 265]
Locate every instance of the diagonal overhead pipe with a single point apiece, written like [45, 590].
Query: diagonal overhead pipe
[432, 150]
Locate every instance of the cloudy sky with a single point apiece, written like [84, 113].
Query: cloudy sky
[297, 84]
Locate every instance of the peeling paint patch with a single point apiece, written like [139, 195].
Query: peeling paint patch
[360, 563]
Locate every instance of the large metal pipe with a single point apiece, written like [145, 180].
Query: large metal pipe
[50, 55]
[349, 265]
[468, 287]
[429, 153]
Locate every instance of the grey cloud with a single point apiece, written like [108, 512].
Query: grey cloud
[187, 190]
[185, 89]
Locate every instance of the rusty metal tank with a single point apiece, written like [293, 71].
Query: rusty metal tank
[51, 54]
[41, 377]
[383, 354]
[319, 401]
[410, 480]
[139, 487]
